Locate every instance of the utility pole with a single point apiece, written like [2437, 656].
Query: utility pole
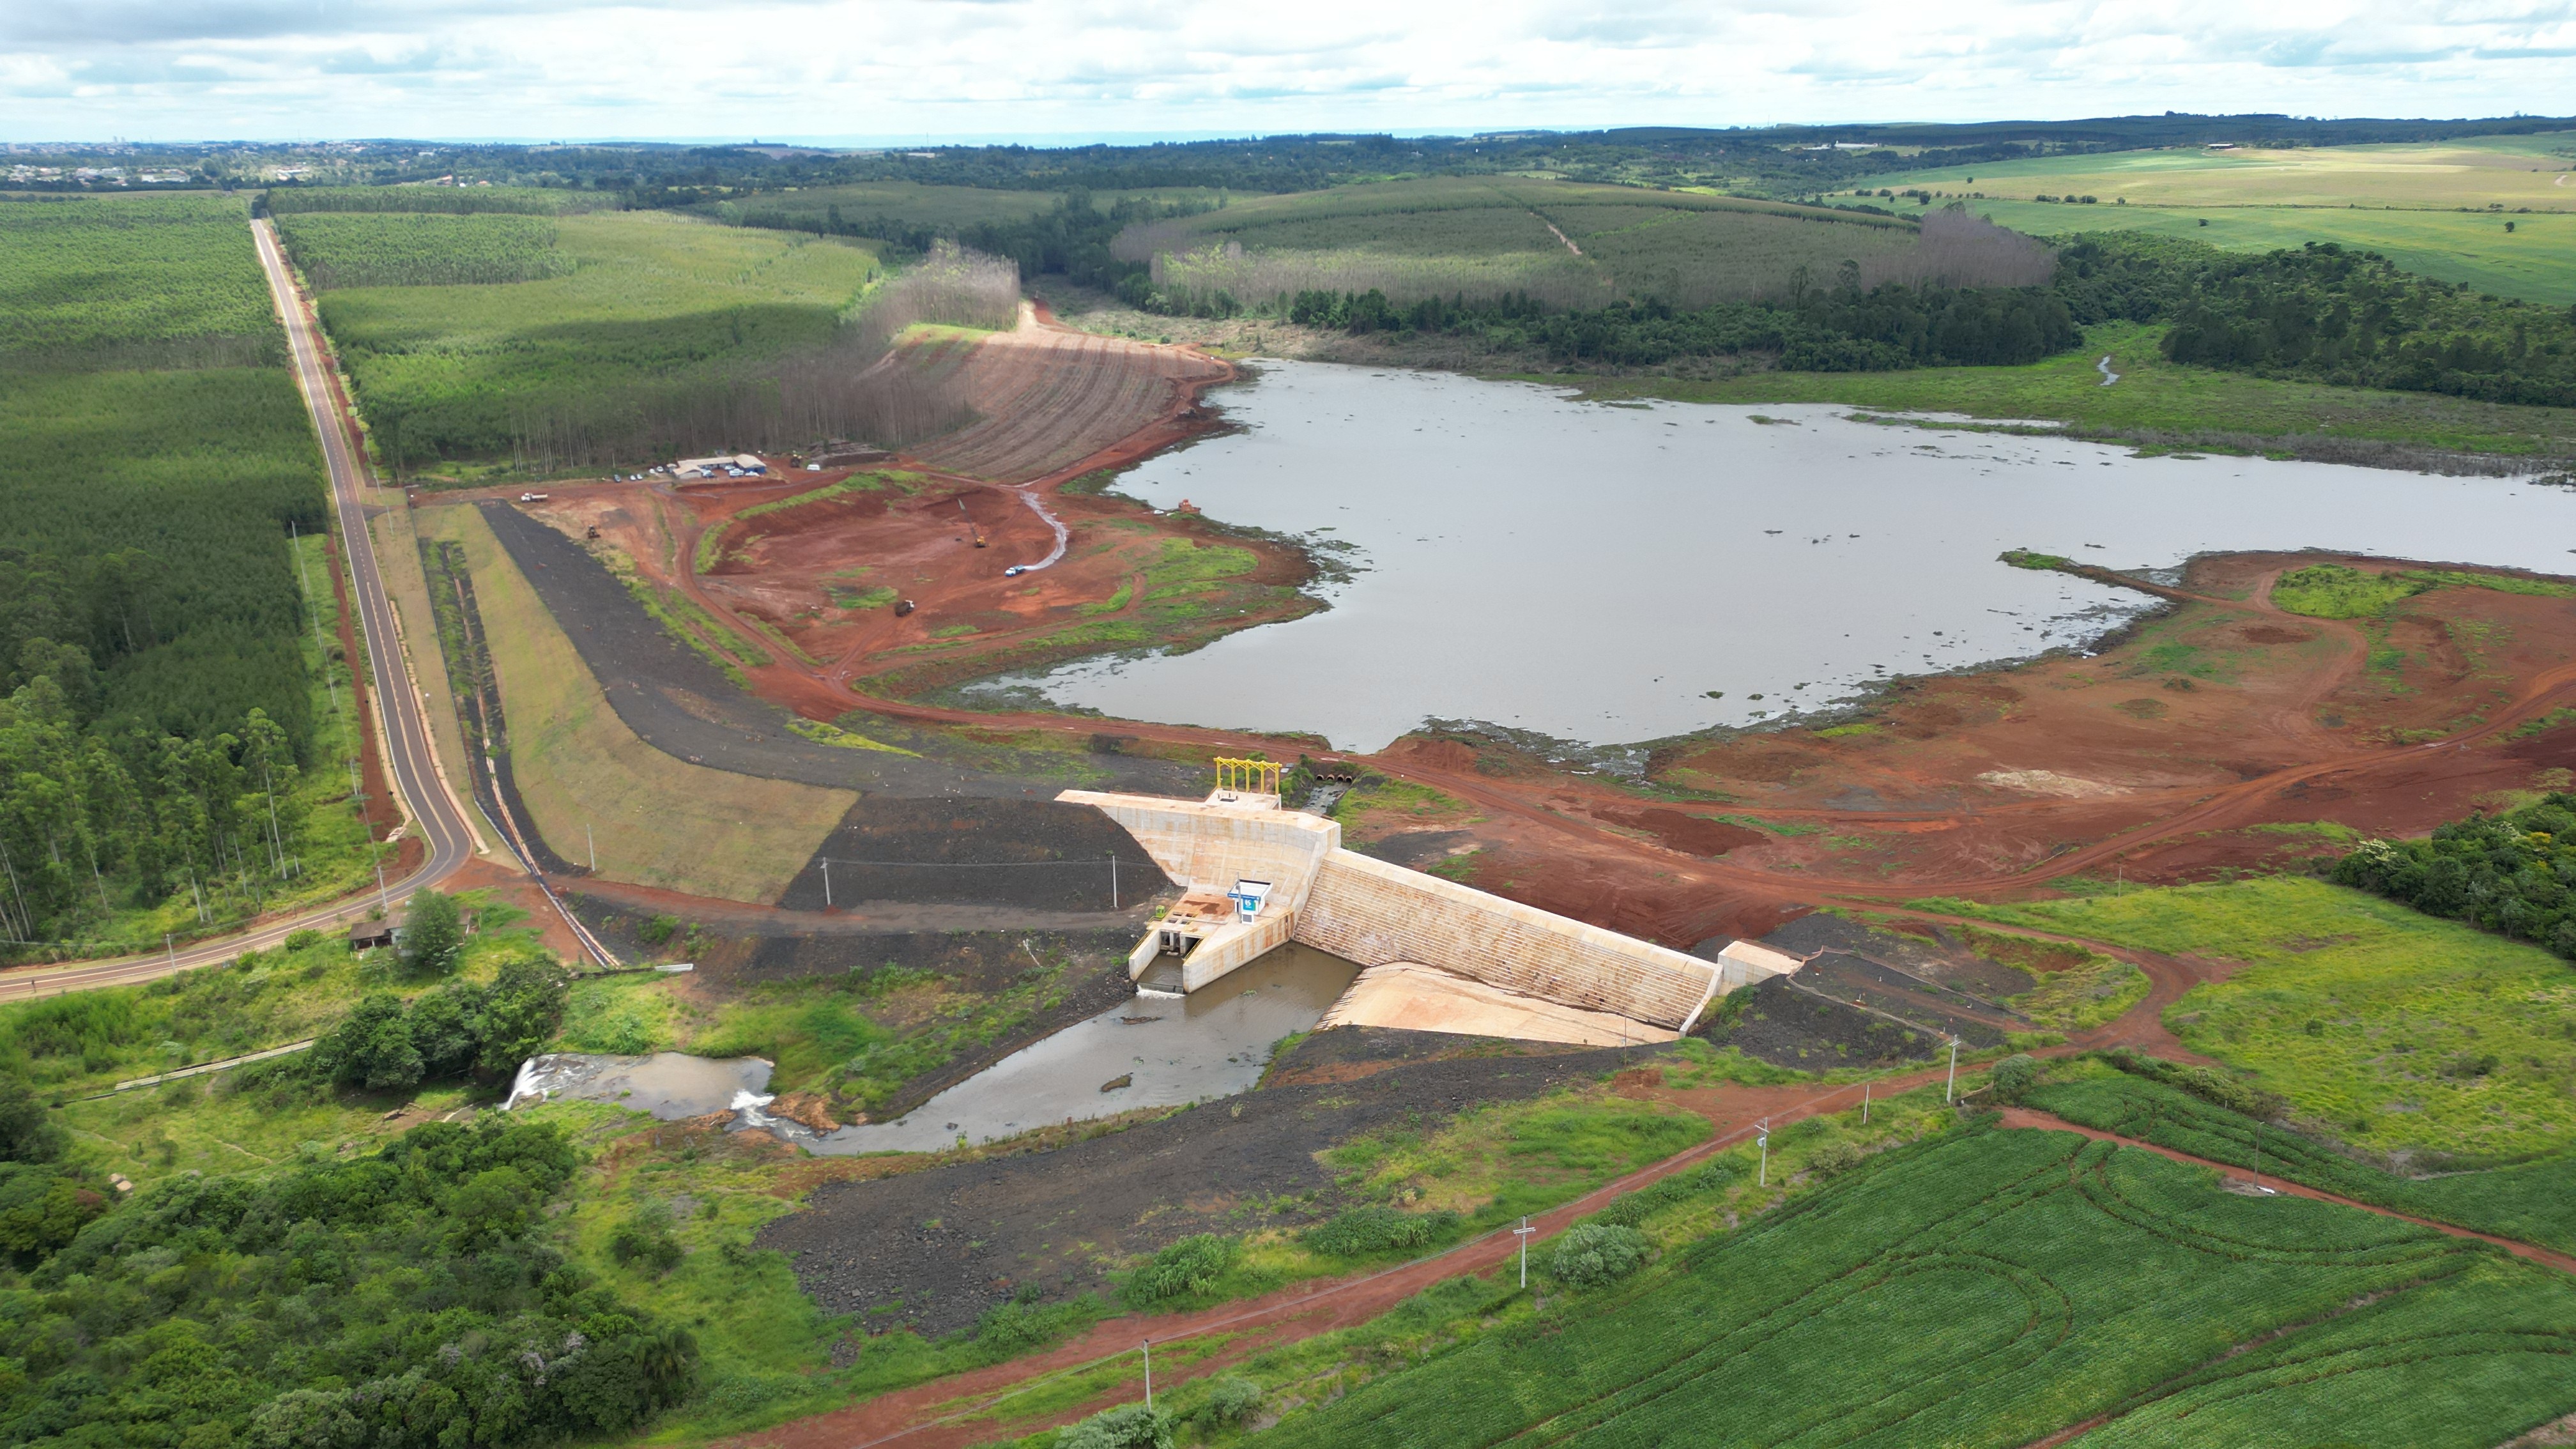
[593, 842]
[1149, 1374]
[1523, 1233]
[170, 944]
[1953, 1085]
[1113, 880]
[827, 885]
[384, 902]
[1763, 1178]
[1864, 1104]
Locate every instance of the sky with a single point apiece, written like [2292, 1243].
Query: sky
[860, 71]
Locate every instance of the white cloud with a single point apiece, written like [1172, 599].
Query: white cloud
[1039, 68]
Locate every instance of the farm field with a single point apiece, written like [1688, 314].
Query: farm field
[2527, 1202]
[913, 204]
[584, 776]
[652, 315]
[2505, 171]
[2439, 209]
[1485, 236]
[1999, 1287]
[2388, 1029]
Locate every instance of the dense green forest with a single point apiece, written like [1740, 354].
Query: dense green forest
[406, 1298]
[348, 249]
[156, 704]
[2514, 873]
[2325, 314]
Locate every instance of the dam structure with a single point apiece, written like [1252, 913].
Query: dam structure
[1434, 954]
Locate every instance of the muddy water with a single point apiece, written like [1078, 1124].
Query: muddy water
[670, 1085]
[1592, 572]
[1172, 1049]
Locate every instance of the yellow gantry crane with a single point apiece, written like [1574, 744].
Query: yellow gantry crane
[1247, 777]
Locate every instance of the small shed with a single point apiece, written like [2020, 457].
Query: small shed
[368, 935]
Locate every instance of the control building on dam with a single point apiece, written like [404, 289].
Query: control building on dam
[1434, 955]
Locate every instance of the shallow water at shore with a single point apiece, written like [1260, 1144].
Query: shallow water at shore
[1173, 1050]
[670, 1085]
[1592, 572]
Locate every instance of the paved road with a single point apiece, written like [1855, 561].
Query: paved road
[435, 815]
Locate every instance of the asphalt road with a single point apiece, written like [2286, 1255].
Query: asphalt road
[435, 815]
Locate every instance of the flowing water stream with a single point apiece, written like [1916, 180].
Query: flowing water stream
[1608, 573]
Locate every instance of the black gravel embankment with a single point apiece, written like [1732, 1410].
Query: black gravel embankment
[934, 1249]
[679, 703]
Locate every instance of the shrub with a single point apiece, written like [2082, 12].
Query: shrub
[659, 930]
[1191, 1265]
[644, 1240]
[1129, 1426]
[1591, 1254]
[299, 940]
[1230, 1400]
[1367, 1232]
[2012, 1077]
[1835, 1158]
[1633, 1208]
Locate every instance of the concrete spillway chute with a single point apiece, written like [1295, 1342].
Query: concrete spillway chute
[1257, 876]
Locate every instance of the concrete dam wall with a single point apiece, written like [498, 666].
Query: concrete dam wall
[1256, 875]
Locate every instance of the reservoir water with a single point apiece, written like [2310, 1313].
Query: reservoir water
[1609, 573]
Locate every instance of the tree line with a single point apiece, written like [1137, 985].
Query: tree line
[2513, 874]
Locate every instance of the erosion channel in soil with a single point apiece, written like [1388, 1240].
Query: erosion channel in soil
[1650, 570]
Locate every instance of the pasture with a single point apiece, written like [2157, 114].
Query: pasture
[2394, 1030]
[655, 308]
[1995, 1288]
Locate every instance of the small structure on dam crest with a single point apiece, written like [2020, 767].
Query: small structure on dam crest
[1257, 875]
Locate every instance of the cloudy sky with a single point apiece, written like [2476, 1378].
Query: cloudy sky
[858, 70]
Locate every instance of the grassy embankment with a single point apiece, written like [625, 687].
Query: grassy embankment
[2156, 400]
[657, 820]
[624, 310]
[2377, 1025]
[2439, 209]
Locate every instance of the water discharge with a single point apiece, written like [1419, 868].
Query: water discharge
[1170, 1049]
[1621, 572]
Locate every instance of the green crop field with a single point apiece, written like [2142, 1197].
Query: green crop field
[435, 200]
[138, 281]
[354, 249]
[2532, 1202]
[1482, 236]
[1995, 1287]
[654, 303]
[2393, 1029]
[2439, 209]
